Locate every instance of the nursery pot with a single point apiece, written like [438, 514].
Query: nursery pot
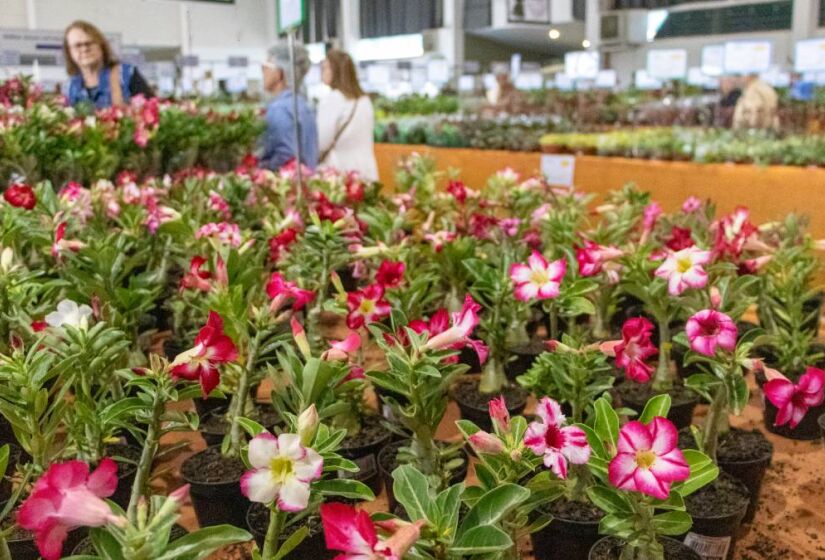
[572, 533]
[474, 404]
[22, 546]
[746, 456]
[821, 422]
[522, 358]
[126, 471]
[216, 488]
[807, 429]
[213, 428]
[388, 461]
[717, 511]
[635, 395]
[6, 433]
[363, 451]
[313, 547]
[610, 548]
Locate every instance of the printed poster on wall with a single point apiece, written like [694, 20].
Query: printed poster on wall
[667, 64]
[559, 170]
[747, 57]
[810, 55]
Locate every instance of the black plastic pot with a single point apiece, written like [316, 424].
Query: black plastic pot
[386, 410]
[716, 536]
[366, 457]
[205, 407]
[219, 502]
[515, 397]
[522, 358]
[126, 472]
[681, 413]
[468, 357]
[674, 550]
[387, 457]
[806, 430]
[213, 435]
[313, 547]
[565, 539]
[821, 422]
[22, 547]
[750, 473]
[6, 433]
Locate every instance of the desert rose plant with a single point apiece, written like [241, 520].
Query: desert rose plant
[643, 477]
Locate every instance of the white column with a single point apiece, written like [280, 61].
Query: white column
[804, 20]
[185, 29]
[31, 14]
[350, 24]
[592, 23]
[454, 26]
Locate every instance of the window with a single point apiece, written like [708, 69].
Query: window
[769, 16]
[381, 18]
[477, 14]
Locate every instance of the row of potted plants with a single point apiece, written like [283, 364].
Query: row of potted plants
[334, 292]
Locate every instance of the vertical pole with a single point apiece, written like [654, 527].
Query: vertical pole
[299, 183]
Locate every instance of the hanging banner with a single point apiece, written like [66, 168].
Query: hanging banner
[747, 57]
[667, 64]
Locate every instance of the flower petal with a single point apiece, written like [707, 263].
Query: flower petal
[262, 449]
[259, 486]
[634, 436]
[664, 434]
[294, 495]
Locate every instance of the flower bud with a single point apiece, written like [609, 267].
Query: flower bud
[715, 297]
[6, 259]
[308, 425]
[300, 336]
[500, 415]
[486, 443]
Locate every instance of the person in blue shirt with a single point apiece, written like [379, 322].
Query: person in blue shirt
[279, 138]
[96, 77]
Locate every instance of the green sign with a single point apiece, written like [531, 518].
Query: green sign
[291, 14]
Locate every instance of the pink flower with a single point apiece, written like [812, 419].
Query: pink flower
[538, 279]
[708, 330]
[352, 532]
[557, 443]
[648, 460]
[366, 306]
[212, 347]
[196, 278]
[634, 349]
[342, 349]
[219, 205]
[651, 215]
[439, 239]
[225, 232]
[279, 244]
[592, 258]
[499, 414]
[794, 400]
[458, 189]
[680, 238]
[486, 443]
[281, 290]
[509, 226]
[732, 232]
[282, 470]
[65, 498]
[390, 274]
[20, 196]
[61, 244]
[457, 335]
[691, 205]
[683, 269]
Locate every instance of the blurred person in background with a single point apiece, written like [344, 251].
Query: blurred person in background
[730, 92]
[346, 120]
[279, 139]
[503, 97]
[96, 77]
[757, 107]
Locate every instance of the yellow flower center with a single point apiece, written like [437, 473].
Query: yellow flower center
[683, 265]
[645, 459]
[367, 306]
[539, 277]
[281, 469]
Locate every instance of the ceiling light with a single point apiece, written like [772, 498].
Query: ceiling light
[586, 44]
[554, 34]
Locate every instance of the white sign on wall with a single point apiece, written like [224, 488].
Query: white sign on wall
[438, 71]
[667, 64]
[559, 170]
[713, 60]
[747, 57]
[810, 55]
[643, 80]
[290, 14]
[776, 77]
[22, 47]
[606, 79]
[696, 77]
[564, 82]
[581, 64]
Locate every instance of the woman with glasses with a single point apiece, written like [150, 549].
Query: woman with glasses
[96, 77]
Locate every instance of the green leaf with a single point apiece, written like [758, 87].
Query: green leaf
[674, 502]
[4, 460]
[672, 523]
[250, 426]
[606, 425]
[608, 500]
[616, 525]
[657, 406]
[204, 541]
[412, 491]
[293, 541]
[702, 472]
[344, 487]
[447, 506]
[493, 506]
[122, 410]
[106, 545]
[738, 393]
[481, 540]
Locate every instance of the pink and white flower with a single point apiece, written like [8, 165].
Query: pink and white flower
[593, 258]
[197, 278]
[683, 269]
[439, 239]
[212, 347]
[457, 335]
[558, 444]
[68, 497]
[634, 349]
[281, 291]
[691, 205]
[343, 349]
[61, 244]
[499, 415]
[794, 399]
[708, 330]
[647, 459]
[352, 532]
[366, 306]
[484, 442]
[282, 470]
[225, 232]
[538, 279]
[733, 232]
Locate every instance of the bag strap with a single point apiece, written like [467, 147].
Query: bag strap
[339, 132]
[115, 87]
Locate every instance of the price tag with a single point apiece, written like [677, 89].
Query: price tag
[558, 170]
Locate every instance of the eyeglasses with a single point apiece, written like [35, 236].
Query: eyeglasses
[83, 45]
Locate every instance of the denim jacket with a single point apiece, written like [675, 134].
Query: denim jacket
[101, 96]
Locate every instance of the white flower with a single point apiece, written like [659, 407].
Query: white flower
[69, 313]
[6, 259]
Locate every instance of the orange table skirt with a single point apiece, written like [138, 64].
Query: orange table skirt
[770, 192]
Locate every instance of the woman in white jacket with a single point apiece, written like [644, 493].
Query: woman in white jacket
[345, 119]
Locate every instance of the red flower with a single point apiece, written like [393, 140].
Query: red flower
[197, 278]
[680, 238]
[634, 348]
[732, 232]
[20, 196]
[454, 332]
[281, 290]
[281, 242]
[212, 347]
[366, 306]
[390, 274]
[39, 326]
[458, 189]
[354, 187]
